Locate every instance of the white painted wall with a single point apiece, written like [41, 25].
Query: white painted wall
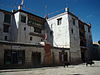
[61, 36]
[24, 35]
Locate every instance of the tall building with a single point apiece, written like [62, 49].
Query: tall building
[69, 32]
[21, 26]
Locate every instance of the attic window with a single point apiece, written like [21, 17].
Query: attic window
[59, 21]
[23, 18]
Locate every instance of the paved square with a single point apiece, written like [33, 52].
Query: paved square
[60, 70]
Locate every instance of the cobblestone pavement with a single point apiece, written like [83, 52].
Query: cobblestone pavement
[60, 70]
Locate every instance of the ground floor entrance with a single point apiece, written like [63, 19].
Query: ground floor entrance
[36, 58]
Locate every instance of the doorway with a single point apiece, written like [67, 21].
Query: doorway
[36, 58]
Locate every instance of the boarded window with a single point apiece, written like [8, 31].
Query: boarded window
[7, 18]
[23, 18]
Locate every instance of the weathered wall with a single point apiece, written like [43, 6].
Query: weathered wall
[53, 58]
[3, 34]
[74, 39]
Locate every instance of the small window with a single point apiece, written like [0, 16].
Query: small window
[7, 18]
[51, 32]
[59, 21]
[37, 30]
[6, 38]
[23, 18]
[5, 28]
[88, 29]
[30, 38]
[24, 28]
[73, 21]
[72, 31]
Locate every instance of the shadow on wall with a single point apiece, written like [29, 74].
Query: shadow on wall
[49, 33]
[95, 52]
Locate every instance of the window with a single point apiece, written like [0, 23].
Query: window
[51, 32]
[5, 28]
[23, 18]
[30, 38]
[24, 28]
[6, 38]
[14, 57]
[88, 29]
[7, 18]
[73, 21]
[37, 30]
[72, 31]
[59, 21]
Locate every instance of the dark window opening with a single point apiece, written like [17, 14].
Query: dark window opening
[30, 38]
[51, 32]
[73, 21]
[6, 38]
[14, 57]
[37, 30]
[59, 21]
[24, 28]
[6, 28]
[23, 19]
[72, 31]
[88, 29]
[7, 18]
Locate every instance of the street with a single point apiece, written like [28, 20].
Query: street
[81, 69]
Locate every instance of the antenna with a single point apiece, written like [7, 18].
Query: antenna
[46, 13]
[22, 2]
[21, 5]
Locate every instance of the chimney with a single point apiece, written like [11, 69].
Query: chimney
[66, 9]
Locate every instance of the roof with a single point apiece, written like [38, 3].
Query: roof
[85, 23]
[64, 13]
[5, 11]
[27, 13]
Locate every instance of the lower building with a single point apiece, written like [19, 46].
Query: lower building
[15, 55]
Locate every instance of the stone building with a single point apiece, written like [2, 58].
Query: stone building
[68, 31]
[29, 40]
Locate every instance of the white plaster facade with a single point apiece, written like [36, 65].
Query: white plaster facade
[24, 35]
[66, 35]
[19, 31]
